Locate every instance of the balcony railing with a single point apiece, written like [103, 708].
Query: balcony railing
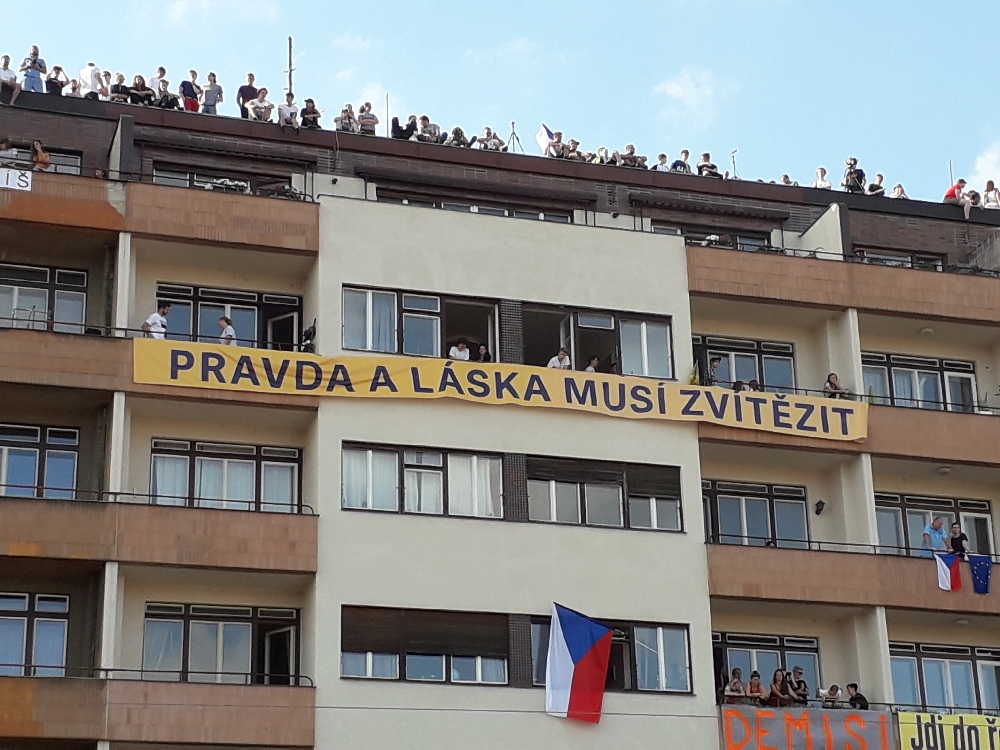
[42, 671]
[815, 545]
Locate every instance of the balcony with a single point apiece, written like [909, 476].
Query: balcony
[134, 711]
[838, 578]
[158, 535]
[781, 278]
[67, 200]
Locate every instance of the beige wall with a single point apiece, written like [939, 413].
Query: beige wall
[824, 235]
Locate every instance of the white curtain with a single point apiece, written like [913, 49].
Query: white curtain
[424, 491]
[161, 649]
[240, 484]
[475, 486]
[383, 322]
[279, 490]
[169, 480]
[355, 469]
[208, 482]
[385, 480]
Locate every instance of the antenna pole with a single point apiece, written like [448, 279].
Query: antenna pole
[387, 133]
[291, 65]
[951, 175]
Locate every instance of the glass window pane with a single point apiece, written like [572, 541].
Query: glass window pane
[890, 530]
[494, 671]
[876, 385]
[385, 481]
[730, 520]
[463, 669]
[6, 306]
[963, 693]
[904, 681]
[383, 333]
[208, 481]
[353, 664]
[978, 530]
[538, 500]
[460, 486]
[70, 311]
[902, 384]
[758, 524]
[423, 667]
[51, 603]
[385, 666]
[746, 367]
[240, 484]
[22, 472]
[203, 652]
[567, 502]
[50, 648]
[767, 663]
[355, 319]
[423, 491]
[631, 333]
[208, 322]
[723, 372]
[934, 683]
[14, 602]
[915, 522]
[236, 652]
[668, 513]
[279, 490]
[60, 474]
[489, 487]
[960, 396]
[539, 651]
[179, 321]
[161, 649]
[604, 507]
[930, 390]
[355, 467]
[790, 524]
[778, 374]
[810, 668]
[423, 458]
[475, 486]
[675, 658]
[640, 515]
[12, 643]
[419, 302]
[989, 686]
[658, 350]
[32, 310]
[420, 335]
[647, 659]
[245, 322]
[169, 480]
[740, 658]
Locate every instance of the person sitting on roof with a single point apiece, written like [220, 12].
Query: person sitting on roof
[490, 141]
[957, 196]
[572, 151]
[706, 168]
[404, 134]
[876, 187]
[429, 132]
[457, 138]
[681, 165]
[631, 159]
[556, 148]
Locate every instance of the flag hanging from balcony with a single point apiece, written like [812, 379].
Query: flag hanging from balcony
[577, 666]
[949, 574]
[982, 571]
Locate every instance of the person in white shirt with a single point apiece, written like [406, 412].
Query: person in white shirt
[561, 361]
[662, 164]
[821, 181]
[260, 108]
[91, 82]
[460, 350]
[156, 323]
[154, 81]
[991, 196]
[228, 335]
[594, 362]
[8, 78]
[288, 113]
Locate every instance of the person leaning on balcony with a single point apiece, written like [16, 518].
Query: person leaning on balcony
[756, 692]
[735, 692]
[367, 120]
[460, 350]
[833, 389]
[484, 354]
[934, 537]
[830, 697]
[858, 701]
[561, 361]
[797, 686]
[780, 695]
[958, 541]
[876, 187]
[681, 165]
[156, 324]
[228, 335]
[40, 159]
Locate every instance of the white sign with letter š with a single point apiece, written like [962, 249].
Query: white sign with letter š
[15, 179]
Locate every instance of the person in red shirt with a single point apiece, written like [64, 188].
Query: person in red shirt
[956, 195]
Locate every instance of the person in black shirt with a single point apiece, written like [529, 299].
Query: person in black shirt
[404, 134]
[309, 116]
[858, 701]
[876, 187]
[958, 541]
[140, 93]
[119, 91]
[246, 93]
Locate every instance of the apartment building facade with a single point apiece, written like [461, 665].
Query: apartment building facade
[283, 567]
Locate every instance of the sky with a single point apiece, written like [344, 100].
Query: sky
[790, 84]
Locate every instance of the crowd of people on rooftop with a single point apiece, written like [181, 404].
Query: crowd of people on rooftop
[33, 74]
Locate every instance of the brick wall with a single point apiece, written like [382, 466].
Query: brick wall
[918, 234]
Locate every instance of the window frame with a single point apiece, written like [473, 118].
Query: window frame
[491, 207]
[920, 652]
[52, 287]
[889, 364]
[29, 616]
[957, 508]
[194, 450]
[714, 489]
[707, 346]
[43, 446]
[783, 645]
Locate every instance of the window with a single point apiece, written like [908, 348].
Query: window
[936, 677]
[902, 518]
[225, 476]
[765, 654]
[258, 184]
[558, 216]
[60, 163]
[770, 363]
[733, 239]
[921, 383]
[33, 296]
[33, 631]
[644, 657]
[38, 461]
[593, 493]
[221, 644]
[623, 344]
[434, 482]
[757, 514]
[922, 261]
[263, 319]
[429, 325]
[432, 646]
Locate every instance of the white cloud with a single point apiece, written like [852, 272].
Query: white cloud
[693, 96]
[346, 74]
[355, 43]
[987, 167]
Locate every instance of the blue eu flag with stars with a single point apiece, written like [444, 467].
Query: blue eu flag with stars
[982, 569]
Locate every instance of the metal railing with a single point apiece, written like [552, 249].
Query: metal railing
[816, 545]
[894, 708]
[42, 492]
[23, 669]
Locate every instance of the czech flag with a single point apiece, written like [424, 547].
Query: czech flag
[543, 137]
[949, 574]
[577, 668]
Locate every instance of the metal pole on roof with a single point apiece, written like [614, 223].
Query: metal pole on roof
[387, 114]
[291, 66]
[951, 175]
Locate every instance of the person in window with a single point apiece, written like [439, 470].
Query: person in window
[8, 79]
[756, 692]
[831, 697]
[833, 389]
[681, 165]
[367, 120]
[429, 132]
[309, 116]
[118, 92]
[899, 192]
[706, 168]
[140, 93]
[821, 182]
[713, 367]
[935, 537]
[593, 362]
[156, 324]
[958, 540]
[260, 108]
[460, 350]
[876, 187]
[56, 80]
[735, 692]
[288, 113]
[346, 122]
[797, 686]
[484, 354]
[40, 159]
[404, 134]
[228, 335]
[857, 700]
[561, 361]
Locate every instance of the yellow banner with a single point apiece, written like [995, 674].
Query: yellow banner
[234, 368]
[948, 732]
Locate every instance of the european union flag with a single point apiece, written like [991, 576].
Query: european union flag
[982, 570]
